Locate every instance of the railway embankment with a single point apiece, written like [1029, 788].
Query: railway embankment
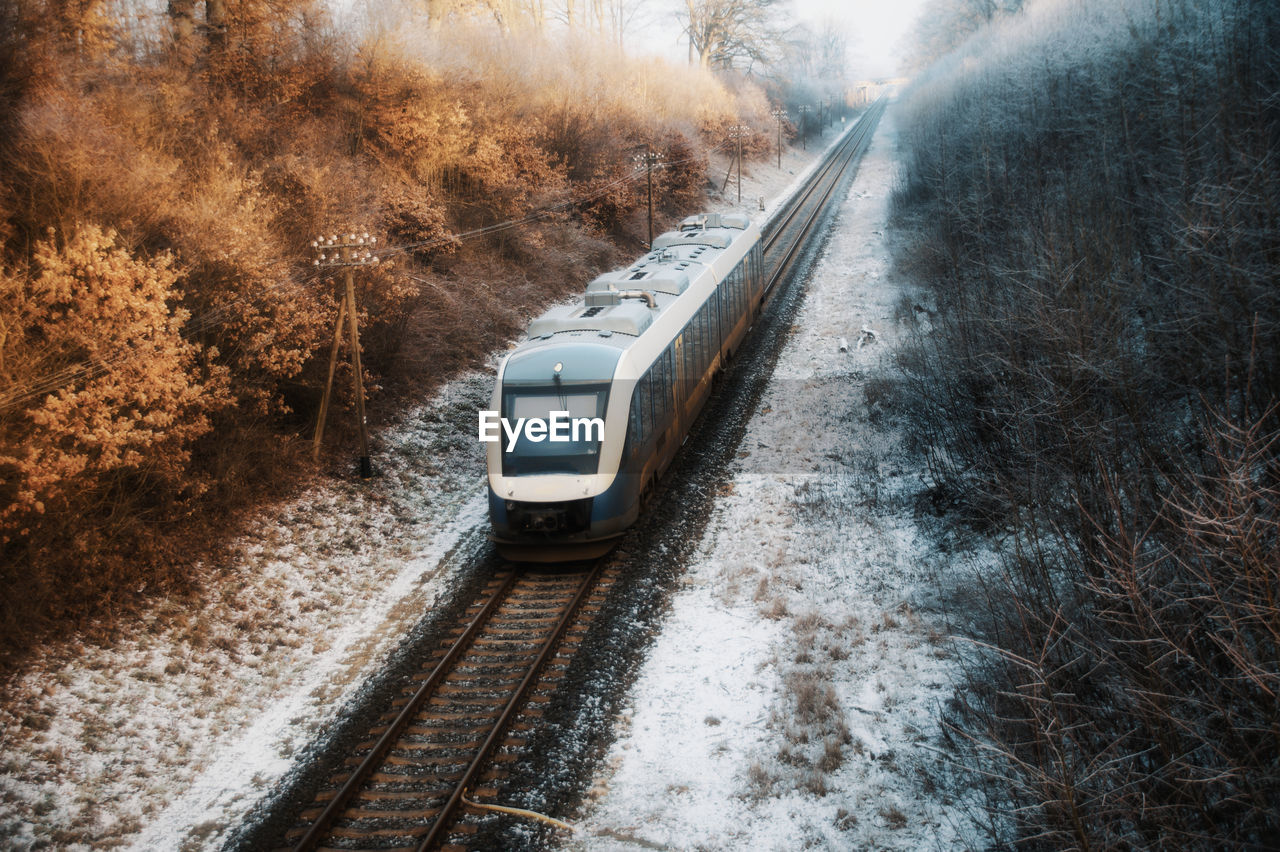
[1099, 236]
[169, 729]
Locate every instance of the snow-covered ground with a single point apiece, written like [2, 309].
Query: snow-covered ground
[791, 699]
[166, 737]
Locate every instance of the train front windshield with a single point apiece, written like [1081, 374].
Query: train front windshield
[580, 454]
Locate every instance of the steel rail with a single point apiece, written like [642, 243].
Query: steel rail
[856, 141]
[444, 818]
[796, 203]
[377, 755]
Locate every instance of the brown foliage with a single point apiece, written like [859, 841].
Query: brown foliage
[184, 179]
[128, 398]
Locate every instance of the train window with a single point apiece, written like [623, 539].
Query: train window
[708, 333]
[722, 305]
[657, 408]
[691, 352]
[704, 339]
[688, 348]
[735, 298]
[713, 321]
[713, 339]
[701, 319]
[640, 416]
[648, 402]
[581, 456]
[690, 355]
[637, 418]
[663, 401]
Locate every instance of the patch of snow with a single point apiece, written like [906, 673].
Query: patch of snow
[262, 750]
[165, 740]
[791, 698]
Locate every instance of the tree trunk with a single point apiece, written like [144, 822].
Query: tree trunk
[215, 18]
[182, 15]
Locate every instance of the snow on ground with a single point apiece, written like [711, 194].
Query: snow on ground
[166, 739]
[791, 699]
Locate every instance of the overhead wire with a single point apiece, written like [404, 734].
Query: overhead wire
[91, 369]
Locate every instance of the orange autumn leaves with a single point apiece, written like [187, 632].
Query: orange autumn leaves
[139, 393]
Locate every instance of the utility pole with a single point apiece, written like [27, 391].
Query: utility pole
[804, 124]
[778, 114]
[739, 132]
[650, 158]
[336, 252]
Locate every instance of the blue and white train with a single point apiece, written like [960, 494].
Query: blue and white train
[639, 351]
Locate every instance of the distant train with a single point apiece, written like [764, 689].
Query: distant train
[591, 408]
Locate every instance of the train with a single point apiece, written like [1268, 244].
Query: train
[589, 410]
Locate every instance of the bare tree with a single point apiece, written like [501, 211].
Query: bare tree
[944, 24]
[182, 17]
[832, 49]
[727, 33]
[509, 15]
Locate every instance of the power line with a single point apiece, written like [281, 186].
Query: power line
[89, 370]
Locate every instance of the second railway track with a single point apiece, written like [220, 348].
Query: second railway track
[443, 745]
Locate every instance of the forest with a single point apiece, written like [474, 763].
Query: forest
[1091, 202]
[164, 334]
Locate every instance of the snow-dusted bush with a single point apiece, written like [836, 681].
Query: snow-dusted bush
[1093, 195]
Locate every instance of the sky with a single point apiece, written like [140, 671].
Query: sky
[876, 28]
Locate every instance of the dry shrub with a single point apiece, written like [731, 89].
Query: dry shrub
[810, 714]
[1147, 695]
[209, 166]
[78, 159]
[1100, 386]
[112, 434]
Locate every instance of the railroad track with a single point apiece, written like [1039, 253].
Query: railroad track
[787, 233]
[439, 753]
[440, 747]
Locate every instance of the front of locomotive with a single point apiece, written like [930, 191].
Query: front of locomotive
[559, 416]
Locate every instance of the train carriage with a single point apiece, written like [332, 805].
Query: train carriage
[620, 376]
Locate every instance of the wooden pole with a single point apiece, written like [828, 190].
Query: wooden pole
[335, 251]
[728, 174]
[328, 385]
[366, 468]
[648, 168]
[739, 167]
